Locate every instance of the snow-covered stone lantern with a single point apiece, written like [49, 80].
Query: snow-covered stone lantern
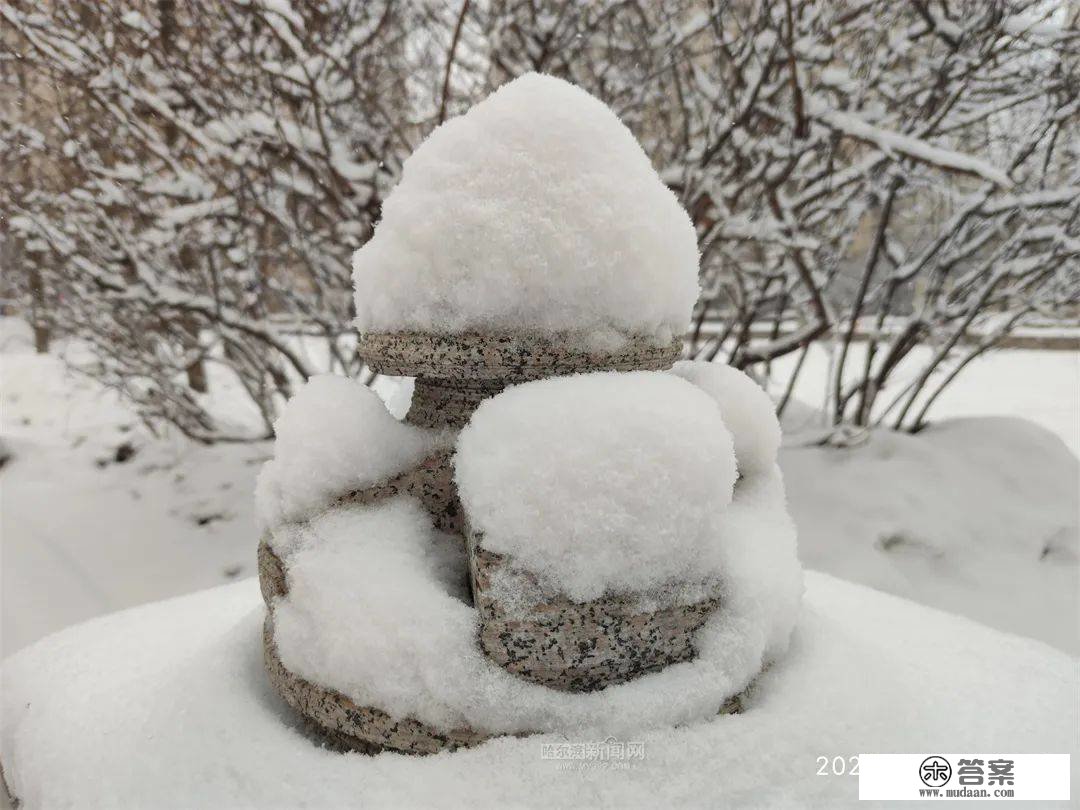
[561, 512]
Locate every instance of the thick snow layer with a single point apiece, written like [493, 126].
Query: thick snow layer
[748, 411]
[333, 436]
[536, 210]
[375, 612]
[977, 516]
[168, 706]
[599, 482]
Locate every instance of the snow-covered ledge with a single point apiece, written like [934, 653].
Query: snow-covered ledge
[454, 373]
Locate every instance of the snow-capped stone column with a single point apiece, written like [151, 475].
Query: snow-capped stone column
[592, 505]
[528, 238]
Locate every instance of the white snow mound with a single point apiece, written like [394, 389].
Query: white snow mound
[748, 411]
[334, 435]
[536, 210]
[342, 625]
[606, 482]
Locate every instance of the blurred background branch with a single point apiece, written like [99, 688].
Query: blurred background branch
[185, 183]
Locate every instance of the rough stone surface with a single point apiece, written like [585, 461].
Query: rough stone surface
[431, 482]
[272, 581]
[356, 728]
[577, 646]
[455, 373]
[448, 403]
[505, 357]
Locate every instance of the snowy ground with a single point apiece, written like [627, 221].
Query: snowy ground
[179, 692]
[82, 533]
[976, 516]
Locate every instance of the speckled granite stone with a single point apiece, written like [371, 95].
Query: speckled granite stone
[454, 373]
[444, 403]
[565, 645]
[271, 573]
[577, 646]
[357, 728]
[431, 482]
[560, 644]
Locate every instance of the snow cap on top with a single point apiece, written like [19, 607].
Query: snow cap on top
[606, 482]
[748, 411]
[334, 435]
[537, 211]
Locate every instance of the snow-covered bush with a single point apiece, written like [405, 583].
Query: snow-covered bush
[185, 182]
[189, 180]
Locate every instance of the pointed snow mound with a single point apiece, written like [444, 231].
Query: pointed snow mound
[535, 211]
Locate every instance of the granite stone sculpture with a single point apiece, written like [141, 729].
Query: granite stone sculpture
[467, 319]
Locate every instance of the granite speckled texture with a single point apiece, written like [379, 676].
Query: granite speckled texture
[454, 373]
[431, 482]
[357, 728]
[332, 717]
[272, 581]
[577, 646]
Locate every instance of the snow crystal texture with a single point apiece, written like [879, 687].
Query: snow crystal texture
[334, 435]
[536, 210]
[597, 483]
[748, 412]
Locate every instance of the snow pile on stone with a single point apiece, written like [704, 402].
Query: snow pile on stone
[171, 708]
[595, 483]
[748, 412]
[334, 435]
[537, 210]
[343, 627]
